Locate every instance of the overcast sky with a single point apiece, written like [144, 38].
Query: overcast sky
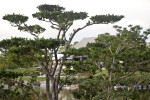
[136, 12]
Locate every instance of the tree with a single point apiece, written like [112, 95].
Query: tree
[12, 61]
[13, 87]
[122, 56]
[42, 49]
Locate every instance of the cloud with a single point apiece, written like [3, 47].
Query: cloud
[135, 11]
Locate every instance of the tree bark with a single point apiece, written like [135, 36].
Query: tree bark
[54, 88]
[48, 87]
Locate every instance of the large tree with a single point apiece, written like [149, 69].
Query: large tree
[43, 50]
[123, 56]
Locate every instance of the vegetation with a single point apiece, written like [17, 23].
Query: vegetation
[125, 56]
[12, 86]
[43, 50]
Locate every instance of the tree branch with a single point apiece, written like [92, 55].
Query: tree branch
[110, 49]
[119, 48]
[100, 71]
[60, 88]
[136, 86]
[56, 62]
[40, 63]
[74, 33]
[28, 88]
[125, 76]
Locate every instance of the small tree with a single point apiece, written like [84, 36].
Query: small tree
[43, 50]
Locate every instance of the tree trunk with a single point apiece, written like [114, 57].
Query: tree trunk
[110, 86]
[54, 88]
[48, 87]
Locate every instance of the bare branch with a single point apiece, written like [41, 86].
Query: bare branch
[101, 71]
[136, 86]
[119, 48]
[74, 33]
[110, 49]
[125, 76]
[33, 91]
[66, 77]
[53, 23]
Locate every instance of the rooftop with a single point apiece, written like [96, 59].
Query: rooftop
[84, 42]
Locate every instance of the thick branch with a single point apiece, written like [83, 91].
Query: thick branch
[64, 82]
[56, 62]
[125, 76]
[45, 56]
[40, 63]
[88, 24]
[74, 33]
[60, 29]
[50, 59]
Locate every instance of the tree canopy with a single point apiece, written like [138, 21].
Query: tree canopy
[122, 56]
[43, 50]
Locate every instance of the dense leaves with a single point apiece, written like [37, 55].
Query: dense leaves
[33, 29]
[12, 85]
[119, 59]
[9, 74]
[105, 19]
[87, 89]
[57, 14]
[50, 8]
[45, 51]
[15, 18]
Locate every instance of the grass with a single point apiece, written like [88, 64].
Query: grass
[105, 72]
[38, 78]
[24, 69]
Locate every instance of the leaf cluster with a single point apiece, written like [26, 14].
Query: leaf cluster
[15, 18]
[105, 19]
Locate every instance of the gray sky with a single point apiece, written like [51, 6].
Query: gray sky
[136, 12]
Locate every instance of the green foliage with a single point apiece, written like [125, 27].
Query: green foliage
[33, 29]
[50, 8]
[9, 74]
[122, 55]
[15, 18]
[55, 13]
[87, 89]
[23, 46]
[19, 21]
[42, 50]
[106, 18]
[12, 61]
[12, 85]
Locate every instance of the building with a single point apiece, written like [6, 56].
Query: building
[84, 42]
